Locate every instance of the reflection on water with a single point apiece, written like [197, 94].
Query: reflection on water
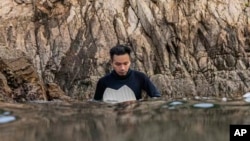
[157, 120]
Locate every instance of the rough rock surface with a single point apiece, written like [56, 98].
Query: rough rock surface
[188, 48]
[19, 80]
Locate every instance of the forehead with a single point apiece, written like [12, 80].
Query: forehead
[121, 58]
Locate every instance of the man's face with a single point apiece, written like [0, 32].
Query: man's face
[121, 64]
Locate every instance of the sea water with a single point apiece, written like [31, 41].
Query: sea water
[205, 119]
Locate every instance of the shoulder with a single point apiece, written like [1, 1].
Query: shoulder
[139, 74]
[105, 77]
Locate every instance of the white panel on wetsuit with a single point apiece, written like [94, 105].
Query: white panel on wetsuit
[121, 95]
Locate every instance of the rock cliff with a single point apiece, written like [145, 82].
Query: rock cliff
[188, 48]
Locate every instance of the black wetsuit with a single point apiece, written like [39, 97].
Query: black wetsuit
[135, 80]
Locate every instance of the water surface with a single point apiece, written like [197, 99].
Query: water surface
[158, 120]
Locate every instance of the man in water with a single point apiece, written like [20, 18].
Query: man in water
[123, 84]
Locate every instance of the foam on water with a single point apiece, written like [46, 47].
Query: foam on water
[5, 117]
[175, 103]
[246, 95]
[247, 99]
[203, 105]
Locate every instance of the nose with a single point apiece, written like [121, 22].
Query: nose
[122, 67]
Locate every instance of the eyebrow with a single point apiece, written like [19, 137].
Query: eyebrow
[121, 62]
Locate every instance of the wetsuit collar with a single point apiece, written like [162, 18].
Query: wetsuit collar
[121, 77]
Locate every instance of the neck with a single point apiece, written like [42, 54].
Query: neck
[121, 76]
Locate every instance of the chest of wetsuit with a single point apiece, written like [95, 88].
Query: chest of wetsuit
[124, 88]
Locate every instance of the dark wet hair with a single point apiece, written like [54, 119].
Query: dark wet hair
[119, 50]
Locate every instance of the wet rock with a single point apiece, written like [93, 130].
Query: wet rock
[55, 92]
[5, 90]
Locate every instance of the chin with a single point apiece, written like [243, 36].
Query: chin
[123, 74]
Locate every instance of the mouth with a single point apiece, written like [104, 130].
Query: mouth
[122, 73]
